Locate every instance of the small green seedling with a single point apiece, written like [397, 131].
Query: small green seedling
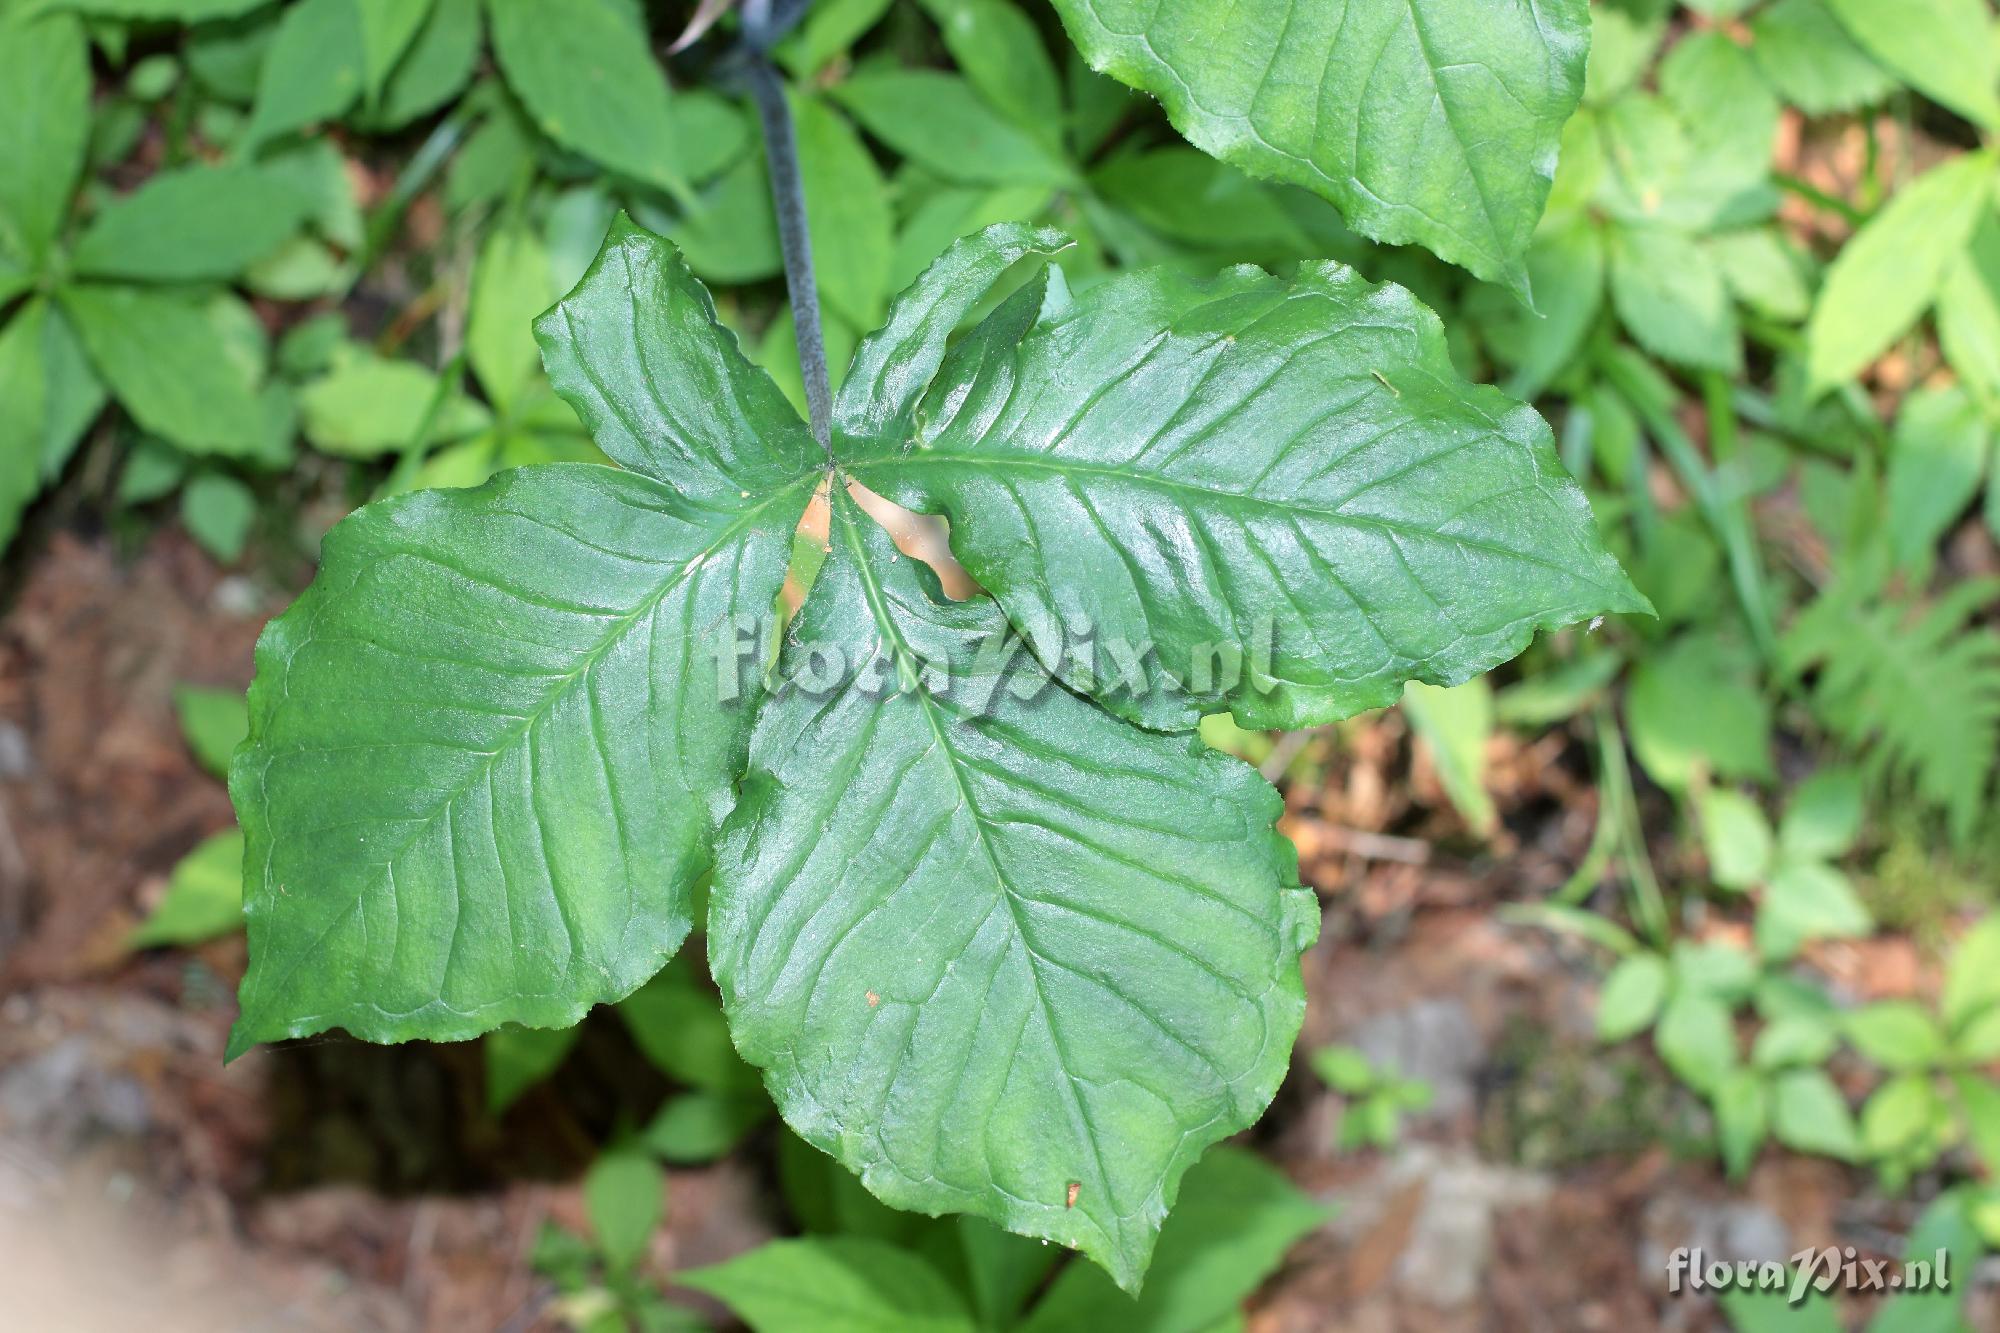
[204, 897]
[1377, 1100]
[1936, 1094]
[598, 1282]
[1801, 894]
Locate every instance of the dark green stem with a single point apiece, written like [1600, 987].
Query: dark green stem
[761, 28]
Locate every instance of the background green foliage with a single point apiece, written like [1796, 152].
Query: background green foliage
[261, 262]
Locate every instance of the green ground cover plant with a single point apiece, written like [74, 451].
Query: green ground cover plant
[1269, 365]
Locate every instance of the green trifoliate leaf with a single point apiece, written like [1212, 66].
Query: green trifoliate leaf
[486, 754]
[72, 393]
[44, 126]
[1683, 161]
[949, 212]
[1624, 37]
[1942, 48]
[662, 386]
[298, 270]
[1671, 296]
[491, 743]
[1742, 1109]
[511, 285]
[847, 211]
[675, 1023]
[226, 57]
[1972, 982]
[999, 954]
[1896, 1034]
[585, 72]
[213, 722]
[730, 235]
[1888, 275]
[1454, 726]
[1809, 1114]
[834, 1284]
[624, 1192]
[1236, 1219]
[1193, 198]
[1808, 901]
[1764, 271]
[432, 70]
[1899, 1114]
[387, 27]
[1637, 165]
[1728, 110]
[1935, 470]
[1979, 1098]
[998, 48]
[1566, 265]
[827, 31]
[168, 364]
[1695, 705]
[1696, 1040]
[1274, 495]
[197, 224]
[317, 170]
[367, 405]
[1794, 1041]
[204, 897]
[23, 407]
[1968, 314]
[1823, 817]
[181, 11]
[1631, 998]
[1434, 122]
[218, 511]
[1003, 1270]
[693, 1127]
[312, 72]
[893, 368]
[938, 121]
[1722, 971]
[517, 1058]
[1736, 836]
[1812, 62]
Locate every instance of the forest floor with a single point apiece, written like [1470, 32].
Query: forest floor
[333, 1185]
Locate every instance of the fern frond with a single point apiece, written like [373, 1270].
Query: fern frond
[1916, 691]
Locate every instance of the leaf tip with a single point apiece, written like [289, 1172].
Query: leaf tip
[240, 1041]
[1631, 602]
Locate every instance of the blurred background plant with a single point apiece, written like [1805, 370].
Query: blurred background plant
[262, 262]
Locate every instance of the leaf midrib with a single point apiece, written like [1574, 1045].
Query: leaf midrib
[1334, 515]
[877, 606]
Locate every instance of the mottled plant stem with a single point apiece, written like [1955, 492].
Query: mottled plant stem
[762, 27]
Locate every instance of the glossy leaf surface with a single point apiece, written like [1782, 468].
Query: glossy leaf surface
[486, 753]
[1426, 121]
[999, 955]
[490, 745]
[1286, 476]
